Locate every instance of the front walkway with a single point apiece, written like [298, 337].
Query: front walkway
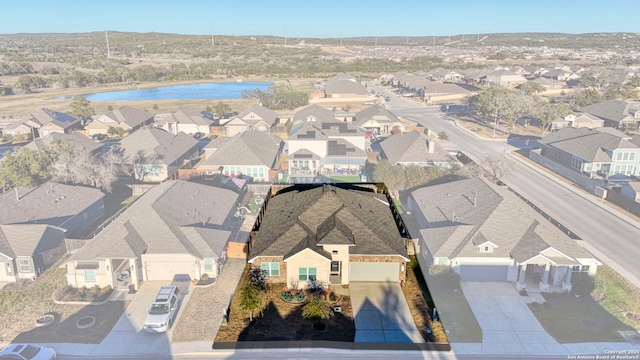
[382, 314]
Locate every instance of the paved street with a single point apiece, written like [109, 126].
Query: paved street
[611, 238]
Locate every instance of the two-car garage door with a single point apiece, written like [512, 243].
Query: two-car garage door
[374, 271]
[167, 270]
[483, 272]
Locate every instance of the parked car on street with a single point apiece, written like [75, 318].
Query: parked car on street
[27, 352]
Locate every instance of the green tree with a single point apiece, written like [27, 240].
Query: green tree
[81, 108]
[278, 97]
[531, 88]
[442, 135]
[221, 109]
[111, 131]
[547, 112]
[250, 299]
[501, 104]
[392, 176]
[24, 168]
[587, 97]
[155, 106]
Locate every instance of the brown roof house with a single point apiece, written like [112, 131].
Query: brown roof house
[177, 228]
[328, 234]
[256, 117]
[26, 250]
[125, 117]
[414, 148]
[155, 154]
[250, 153]
[486, 233]
[43, 122]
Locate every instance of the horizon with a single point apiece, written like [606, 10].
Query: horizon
[330, 19]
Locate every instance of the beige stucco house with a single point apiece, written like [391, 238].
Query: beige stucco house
[177, 228]
[330, 234]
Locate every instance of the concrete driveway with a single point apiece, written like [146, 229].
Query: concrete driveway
[382, 314]
[508, 326]
[128, 335]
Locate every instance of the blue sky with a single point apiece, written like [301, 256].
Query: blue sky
[324, 19]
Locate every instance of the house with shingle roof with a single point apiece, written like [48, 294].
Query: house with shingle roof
[70, 207]
[341, 87]
[154, 154]
[378, 120]
[188, 119]
[250, 153]
[318, 146]
[329, 234]
[414, 148]
[486, 233]
[88, 145]
[600, 151]
[505, 78]
[256, 117]
[631, 190]
[125, 117]
[43, 122]
[26, 250]
[177, 228]
[615, 113]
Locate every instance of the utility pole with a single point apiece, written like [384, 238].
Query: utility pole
[106, 34]
[285, 36]
[434, 41]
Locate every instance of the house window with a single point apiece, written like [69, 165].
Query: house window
[24, 265]
[90, 275]
[585, 268]
[334, 252]
[270, 268]
[578, 268]
[307, 274]
[208, 264]
[335, 266]
[486, 248]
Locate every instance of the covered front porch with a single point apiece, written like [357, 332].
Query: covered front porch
[544, 276]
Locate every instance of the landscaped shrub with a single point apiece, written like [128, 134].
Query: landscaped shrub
[316, 308]
[258, 278]
[583, 284]
[204, 277]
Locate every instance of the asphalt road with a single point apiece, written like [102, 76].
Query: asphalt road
[613, 239]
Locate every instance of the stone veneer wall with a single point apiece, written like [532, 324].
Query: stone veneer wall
[283, 268]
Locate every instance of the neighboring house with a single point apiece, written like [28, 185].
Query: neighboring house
[154, 154]
[313, 113]
[378, 120]
[447, 91]
[486, 233]
[43, 122]
[26, 250]
[504, 78]
[69, 207]
[549, 84]
[329, 234]
[250, 153]
[324, 147]
[177, 228]
[126, 117]
[615, 113]
[601, 151]
[188, 120]
[631, 190]
[256, 117]
[342, 87]
[88, 145]
[414, 148]
[441, 74]
[584, 120]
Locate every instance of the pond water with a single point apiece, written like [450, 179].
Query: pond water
[201, 91]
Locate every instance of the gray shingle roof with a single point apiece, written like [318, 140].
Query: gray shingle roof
[129, 115]
[340, 86]
[188, 115]
[316, 112]
[151, 140]
[45, 116]
[267, 115]
[307, 218]
[376, 112]
[343, 148]
[457, 226]
[50, 203]
[175, 217]
[80, 140]
[587, 144]
[29, 239]
[246, 148]
[612, 110]
[412, 147]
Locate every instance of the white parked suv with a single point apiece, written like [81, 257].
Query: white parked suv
[163, 310]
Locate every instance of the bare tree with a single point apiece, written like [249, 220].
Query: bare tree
[145, 164]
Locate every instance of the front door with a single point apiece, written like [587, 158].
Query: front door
[336, 278]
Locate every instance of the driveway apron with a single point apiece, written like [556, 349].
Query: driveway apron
[382, 314]
[508, 325]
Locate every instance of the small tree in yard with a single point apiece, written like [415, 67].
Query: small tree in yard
[316, 308]
[258, 278]
[250, 299]
[583, 284]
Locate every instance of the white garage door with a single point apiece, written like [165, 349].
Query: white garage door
[167, 270]
[483, 272]
[374, 271]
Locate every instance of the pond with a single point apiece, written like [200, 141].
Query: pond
[201, 91]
